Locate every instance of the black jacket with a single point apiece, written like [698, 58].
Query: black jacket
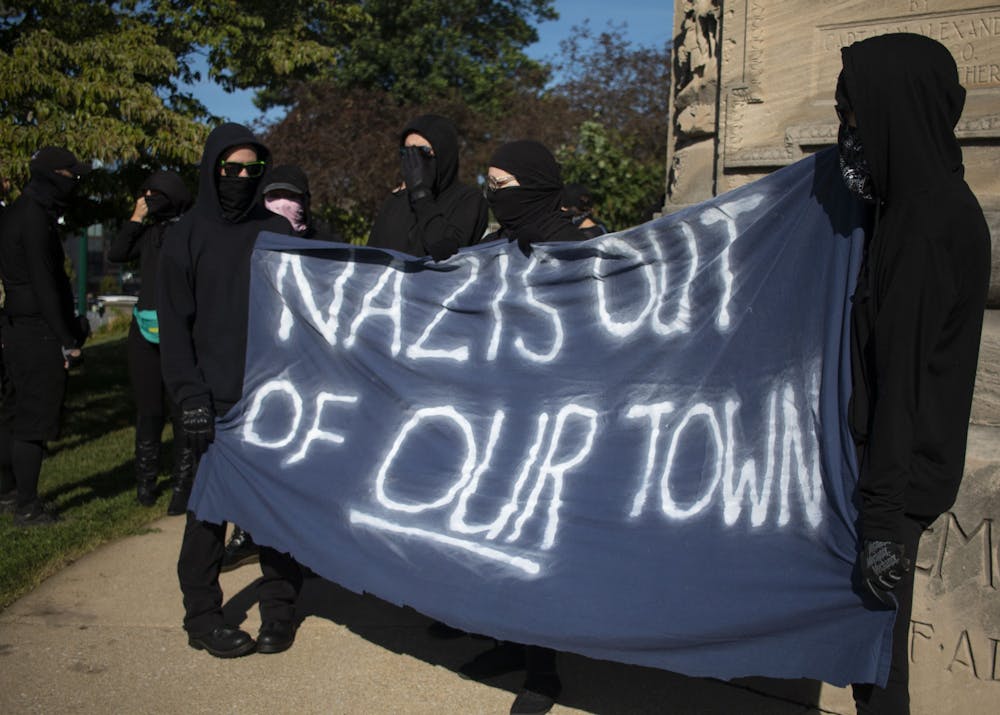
[143, 241]
[918, 307]
[455, 215]
[36, 286]
[203, 286]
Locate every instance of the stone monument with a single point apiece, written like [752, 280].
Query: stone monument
[753, 91]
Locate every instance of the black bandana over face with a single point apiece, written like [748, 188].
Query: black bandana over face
[159, 206]
[236, 195]
[853, 165]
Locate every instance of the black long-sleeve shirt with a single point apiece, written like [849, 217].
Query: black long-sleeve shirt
[140, 241]
[31, 265]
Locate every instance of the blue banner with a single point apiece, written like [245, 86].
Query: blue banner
[633, 448]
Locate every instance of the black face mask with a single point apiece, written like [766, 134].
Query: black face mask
[514, 206]
[853, 165]
[159, 206]
[236, 195]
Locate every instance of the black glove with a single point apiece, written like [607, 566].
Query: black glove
[443, 249]
[418, 172]
[199, 428]
[883, 565]
[527, 235]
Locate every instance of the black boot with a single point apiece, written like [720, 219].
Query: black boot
[147, 469]
[184, 466]
[240, 550]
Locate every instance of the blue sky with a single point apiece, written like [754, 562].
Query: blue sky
[648, 22]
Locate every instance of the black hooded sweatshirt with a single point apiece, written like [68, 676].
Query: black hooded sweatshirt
[532, 211]
[136, 240]
[203, 285]
[921, 293]
[454, 216]
[36, 286]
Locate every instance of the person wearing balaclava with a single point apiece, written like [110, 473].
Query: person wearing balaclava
[524, 189]
[917, 313]
[578, 202]
[41, 333]
[163, 197]
[203, 288]
[431, 213]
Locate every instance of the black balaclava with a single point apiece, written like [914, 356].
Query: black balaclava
[578, 202]
[443, 136]
[229, 199]
[171, 197]
[906, 98]
[531, 211]
[54, 191]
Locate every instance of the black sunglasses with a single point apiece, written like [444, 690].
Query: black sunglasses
[425, 150]
[235, 168]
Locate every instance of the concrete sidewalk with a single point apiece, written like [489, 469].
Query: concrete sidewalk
[104, 635]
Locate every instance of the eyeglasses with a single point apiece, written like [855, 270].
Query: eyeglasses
[494, 184]
[235, 168]
[423, 149]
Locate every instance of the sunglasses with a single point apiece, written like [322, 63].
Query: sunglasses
[235, 168]
[425, 150]
[497, 184]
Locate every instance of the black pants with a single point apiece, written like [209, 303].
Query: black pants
[33, 360]
[198, 572]
[894, 698]
[151, 399]
[33, 397]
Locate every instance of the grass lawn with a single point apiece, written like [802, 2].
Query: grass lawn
[87, 474]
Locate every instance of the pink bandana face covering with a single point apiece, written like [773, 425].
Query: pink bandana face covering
[291, 209]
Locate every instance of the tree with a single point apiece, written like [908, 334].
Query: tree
[617, 97]
[104, 79]
[625, 188]
[460, 58]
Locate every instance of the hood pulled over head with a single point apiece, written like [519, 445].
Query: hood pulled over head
[176, 196]
[904, 91]
[228, 198]
[538, 198]
[443, 136]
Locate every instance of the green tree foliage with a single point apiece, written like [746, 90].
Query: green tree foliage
[106, 79]
[626, 189]
[621, 95]
[423, 49]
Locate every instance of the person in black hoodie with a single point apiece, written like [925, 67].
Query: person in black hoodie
[431, 213]
[578, 202]
[203, 304]
[917, 315]
[163, 197]
[41, 333]
[524, 189]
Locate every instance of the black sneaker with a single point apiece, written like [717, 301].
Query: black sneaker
[275, 637]
[35, 514]
[223, 642]
[8, 501]
[538, 694]
[240, 550]
[503, 658]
